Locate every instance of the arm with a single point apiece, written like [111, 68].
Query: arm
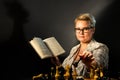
[97, 57]
[55, 60]
[101, 55]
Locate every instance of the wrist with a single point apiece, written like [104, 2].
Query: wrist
[93, 64]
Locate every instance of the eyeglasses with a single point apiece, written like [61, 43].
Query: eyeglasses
[85, 30]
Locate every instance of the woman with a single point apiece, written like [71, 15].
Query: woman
[88, 53]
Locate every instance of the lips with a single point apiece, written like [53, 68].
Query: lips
[81, 36]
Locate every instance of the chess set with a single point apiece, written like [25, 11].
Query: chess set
[60, 73]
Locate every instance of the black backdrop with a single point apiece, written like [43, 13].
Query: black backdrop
[21, 20]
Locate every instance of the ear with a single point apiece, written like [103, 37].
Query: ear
[93, 30]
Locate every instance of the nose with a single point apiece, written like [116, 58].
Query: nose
[81, 32]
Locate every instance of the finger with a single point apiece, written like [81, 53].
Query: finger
[83, 54]
[90, 56]
[86, 55]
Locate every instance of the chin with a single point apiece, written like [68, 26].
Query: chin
[83, 40]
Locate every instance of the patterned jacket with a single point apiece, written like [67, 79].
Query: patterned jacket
[99, 50]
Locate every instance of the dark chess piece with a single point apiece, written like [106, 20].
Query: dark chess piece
[52, 73]
[61, 72]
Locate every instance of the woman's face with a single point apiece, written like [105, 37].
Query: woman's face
[83, 31]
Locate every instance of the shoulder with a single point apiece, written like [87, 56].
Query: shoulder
[75, 47]
[95, 45]
[99, 44]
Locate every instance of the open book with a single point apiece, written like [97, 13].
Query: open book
[46, 48]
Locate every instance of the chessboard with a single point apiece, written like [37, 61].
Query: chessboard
[60, 73]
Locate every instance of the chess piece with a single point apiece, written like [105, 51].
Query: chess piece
[91, 73]
[74, 73]
[67, 73]
[61, 72]
[101, 72]
[46, 77]
[96, 76]
[57, 75]
[52, 73]
[40, 76]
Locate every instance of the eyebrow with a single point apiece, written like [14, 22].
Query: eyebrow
[84, 27]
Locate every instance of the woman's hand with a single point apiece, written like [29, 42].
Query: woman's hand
[88, 58]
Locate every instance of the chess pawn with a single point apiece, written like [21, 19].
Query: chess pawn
[61, 72]
[91, 73]
[101, 72]
[67, 74]
[57, 75]
[52, 73]
[96, 76]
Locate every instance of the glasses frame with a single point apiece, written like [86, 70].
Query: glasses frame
[85, 30]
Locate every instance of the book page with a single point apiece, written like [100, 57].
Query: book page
[40, 47]
[54, 46]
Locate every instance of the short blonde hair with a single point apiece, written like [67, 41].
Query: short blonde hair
[86, 17]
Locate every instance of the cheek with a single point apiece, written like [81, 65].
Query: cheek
[89, 36]
[77, 36]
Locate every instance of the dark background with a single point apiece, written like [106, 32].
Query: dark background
[21, 20]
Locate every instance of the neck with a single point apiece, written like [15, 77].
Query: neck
[83, 45]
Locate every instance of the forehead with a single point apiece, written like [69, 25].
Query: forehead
[82, 23]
